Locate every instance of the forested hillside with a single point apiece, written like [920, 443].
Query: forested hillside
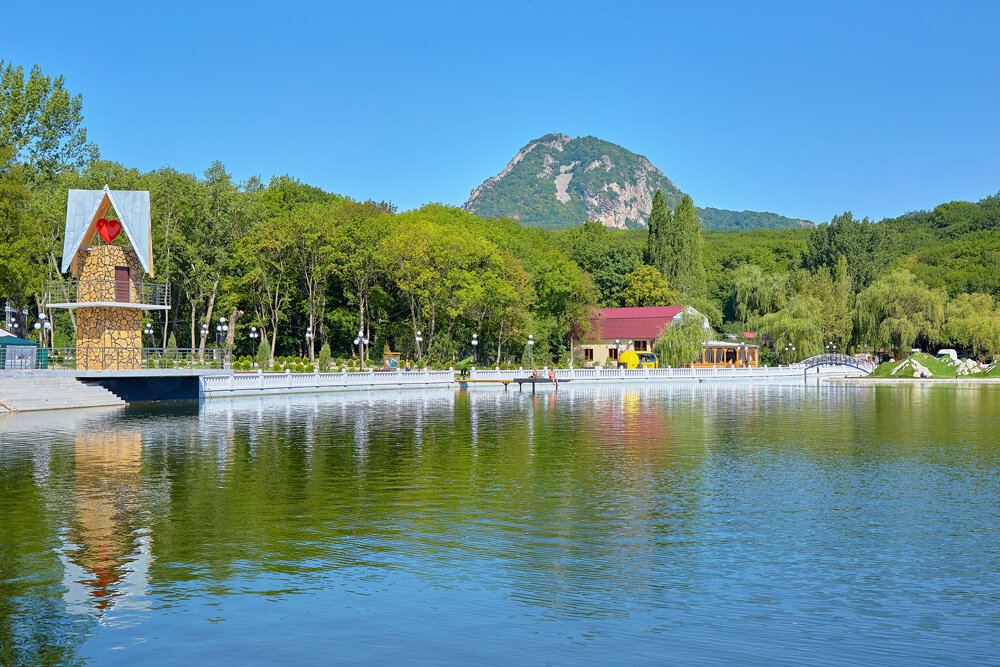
[558, 182]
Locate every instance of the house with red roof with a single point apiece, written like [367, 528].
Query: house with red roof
[615, 330]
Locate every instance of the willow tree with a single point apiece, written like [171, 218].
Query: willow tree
[798, 324]
[897, 310]
[756, 293]
[680, 343]
[972, 323]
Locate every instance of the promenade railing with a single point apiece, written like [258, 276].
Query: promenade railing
[620, 374]
[113, 358]
[252, 382]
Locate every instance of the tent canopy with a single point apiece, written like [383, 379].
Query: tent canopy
[85, 207]
[14, 341]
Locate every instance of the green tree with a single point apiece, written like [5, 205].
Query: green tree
[868, 247]
[604, 254]
[680, 343]
[647, 287]
[657, 246]
[972, 324]
[325, 358]
[798, 323]
[42, 122]
[681, 243]
[263, 356]
[897, 310]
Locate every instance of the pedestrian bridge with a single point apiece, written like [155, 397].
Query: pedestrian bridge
[837, 360]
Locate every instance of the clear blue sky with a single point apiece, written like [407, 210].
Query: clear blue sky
[806, 109]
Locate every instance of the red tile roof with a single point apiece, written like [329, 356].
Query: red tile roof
[631, 323]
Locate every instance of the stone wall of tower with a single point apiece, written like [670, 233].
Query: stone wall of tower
[107, 337]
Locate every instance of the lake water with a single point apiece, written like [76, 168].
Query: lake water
[697, 524]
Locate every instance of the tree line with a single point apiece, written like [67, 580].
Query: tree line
[309, 268]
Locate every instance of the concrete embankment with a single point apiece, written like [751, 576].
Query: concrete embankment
[34, 392]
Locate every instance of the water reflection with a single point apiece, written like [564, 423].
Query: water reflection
[636, 520]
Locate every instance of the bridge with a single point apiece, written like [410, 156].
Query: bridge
[837, 360]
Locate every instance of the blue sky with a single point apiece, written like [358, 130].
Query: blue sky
[800, 108]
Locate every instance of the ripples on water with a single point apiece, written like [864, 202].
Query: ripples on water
[696, 524]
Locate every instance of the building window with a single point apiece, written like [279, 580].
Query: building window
[613, 354]
[640, 346]
[588, 354]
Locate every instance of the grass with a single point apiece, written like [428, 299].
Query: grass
[938, 369]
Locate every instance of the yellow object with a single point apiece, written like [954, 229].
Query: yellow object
[632, 359]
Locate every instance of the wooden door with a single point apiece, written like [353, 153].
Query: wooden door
[121, 284]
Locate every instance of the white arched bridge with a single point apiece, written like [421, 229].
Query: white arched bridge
[837, 360]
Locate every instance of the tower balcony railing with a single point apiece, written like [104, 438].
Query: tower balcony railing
[108, 292]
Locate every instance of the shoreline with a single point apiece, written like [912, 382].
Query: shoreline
[877, 381]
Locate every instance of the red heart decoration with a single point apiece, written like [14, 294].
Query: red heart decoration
[109, 229]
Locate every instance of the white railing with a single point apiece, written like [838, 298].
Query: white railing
[627, 374]
[251, 383]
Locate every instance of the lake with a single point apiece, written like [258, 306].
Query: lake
[698, 524]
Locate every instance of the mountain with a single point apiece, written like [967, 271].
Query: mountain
[557, 181]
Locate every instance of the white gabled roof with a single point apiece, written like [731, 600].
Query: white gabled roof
[85, 207]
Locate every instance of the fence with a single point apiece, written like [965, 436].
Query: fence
[244, 384]
[112, 358]
[23, 358]
[107, 290]
[622, 374]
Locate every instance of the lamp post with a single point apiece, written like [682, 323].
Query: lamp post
[361, 341]
[254, 336]
[788, 350]
[419, 338]
[531, 346]
[309, 341]
[147, 328]
[41, 326]
[220, 331]
[831, 348]
[475, 345]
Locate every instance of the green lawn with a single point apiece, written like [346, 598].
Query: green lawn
[938, 369]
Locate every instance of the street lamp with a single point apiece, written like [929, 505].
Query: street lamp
[788, 349]
[531, 345]
[475, 344]
[831, 347]
[254, 334]
[361, 341]
[220, 331]
[419, 338]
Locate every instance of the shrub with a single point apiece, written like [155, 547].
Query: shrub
[324, 357]
[263, 355]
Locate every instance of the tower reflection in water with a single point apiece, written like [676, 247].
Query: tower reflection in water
[108, 544]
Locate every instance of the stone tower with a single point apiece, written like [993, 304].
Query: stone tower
[109, 290]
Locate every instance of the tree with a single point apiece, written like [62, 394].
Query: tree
[657, 249]
[42, 122]
[798, 323]
[680, 343]
[18, 239]
[868, 248]
[897, 310]
[325, 358]
[756, 293]
[972, 323]
[605, 255]
[680, 250]
[647, 287]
